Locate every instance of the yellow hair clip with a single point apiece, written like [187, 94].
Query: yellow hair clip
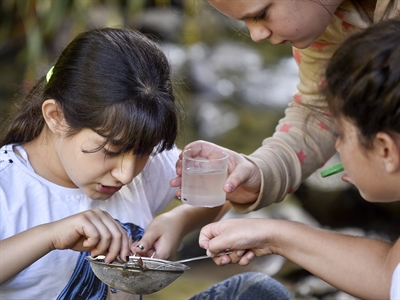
[49, 74]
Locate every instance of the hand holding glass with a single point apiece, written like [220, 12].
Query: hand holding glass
[204, 174]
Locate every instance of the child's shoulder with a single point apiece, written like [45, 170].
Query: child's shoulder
[6, 159]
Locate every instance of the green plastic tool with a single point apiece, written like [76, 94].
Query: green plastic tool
[332, 170]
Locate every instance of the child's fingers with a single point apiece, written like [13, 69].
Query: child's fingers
[99, 242]
[241, 173]
[126, 242]
[104, 235]
[145, 246]
[235, 256]
[92, 236]
[92, 230]
[246, 258]
[75, 232]
[178, 193]
[114, 240]
[178, 167]
[222, 260]
[176, 182]
[117, 245]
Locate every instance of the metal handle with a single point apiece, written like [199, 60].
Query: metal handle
[200, 257]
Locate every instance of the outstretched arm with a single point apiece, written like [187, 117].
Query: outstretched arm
[359, 266]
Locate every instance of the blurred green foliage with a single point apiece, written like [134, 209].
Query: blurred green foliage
[33, 33]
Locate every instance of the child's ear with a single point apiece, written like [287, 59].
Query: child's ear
[53, 115]
[389, 150]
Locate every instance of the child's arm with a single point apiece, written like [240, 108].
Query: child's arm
[359, 266]
[165, 233]
[92, 230]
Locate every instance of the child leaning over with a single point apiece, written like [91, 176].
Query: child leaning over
[363, 93]
[84, 165]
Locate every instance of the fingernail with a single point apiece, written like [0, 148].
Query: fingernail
[229, 187]
[240, 253]
[250, 255]
[208, 253]
[224, 262]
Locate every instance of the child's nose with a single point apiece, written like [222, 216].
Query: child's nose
[258, 32]
[124, 170]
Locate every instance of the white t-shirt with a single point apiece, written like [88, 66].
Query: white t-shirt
[395, 287]
[27, 200]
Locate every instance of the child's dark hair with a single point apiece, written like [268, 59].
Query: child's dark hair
[363, 80]
[114, 81]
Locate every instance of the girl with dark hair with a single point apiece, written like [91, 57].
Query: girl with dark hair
[85, 163]
[362, 87]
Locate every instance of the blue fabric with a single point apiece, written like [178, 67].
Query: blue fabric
[245, 286]
[84, 285]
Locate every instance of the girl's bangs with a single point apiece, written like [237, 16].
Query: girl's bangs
[133, 130]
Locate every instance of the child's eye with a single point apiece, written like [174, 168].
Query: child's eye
[261, 16]
[110, 153]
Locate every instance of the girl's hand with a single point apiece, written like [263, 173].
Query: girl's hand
[163, 236]
[244, 178]
[246, 238]
[92, 230]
